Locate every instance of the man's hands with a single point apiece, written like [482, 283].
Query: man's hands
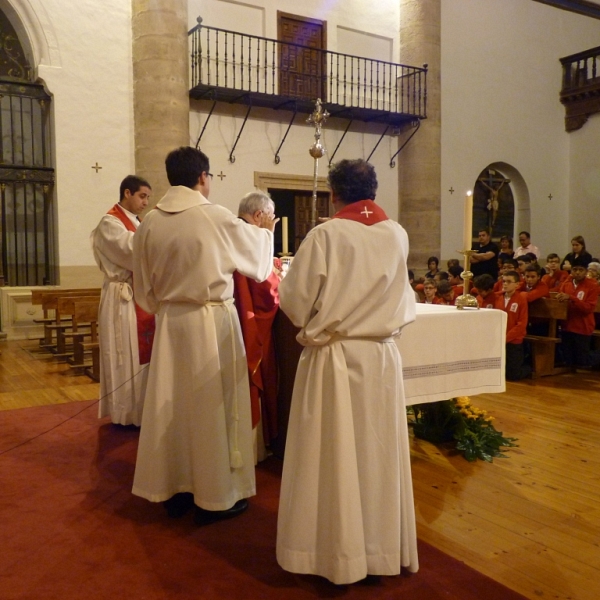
[267, 221]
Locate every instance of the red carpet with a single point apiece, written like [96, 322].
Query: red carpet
[71, 529]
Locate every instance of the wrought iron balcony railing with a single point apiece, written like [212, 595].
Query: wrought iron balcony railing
[237, 67]
[580, 91]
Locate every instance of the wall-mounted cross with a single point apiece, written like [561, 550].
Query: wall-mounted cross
[221, 175]
[451, 190]
[96, 166]
[550, 197]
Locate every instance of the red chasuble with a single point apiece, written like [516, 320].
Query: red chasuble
[257, 305]
[145, 321]
[363, 211]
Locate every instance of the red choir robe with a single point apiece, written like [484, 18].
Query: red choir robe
[540, 290]
[257, 305]
[584, 296]
[517, 312]
[555, 280]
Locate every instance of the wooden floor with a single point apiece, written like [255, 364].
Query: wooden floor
[531, 521]
[30, 377]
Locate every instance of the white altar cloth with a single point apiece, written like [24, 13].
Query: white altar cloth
[448, 352]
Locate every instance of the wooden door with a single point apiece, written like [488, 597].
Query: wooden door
[302, 68]
[302, 207]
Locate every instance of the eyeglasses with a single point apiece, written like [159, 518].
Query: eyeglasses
[210, 175]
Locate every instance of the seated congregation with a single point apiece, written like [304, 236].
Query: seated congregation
[553, 310]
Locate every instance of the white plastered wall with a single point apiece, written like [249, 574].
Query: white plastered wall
[353, 27]
[501, 78]
[82, 52]
[584, 184]
[500, 84]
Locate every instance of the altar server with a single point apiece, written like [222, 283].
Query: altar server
[125, 330]
[514, 304]
[581, 294]
[196, 439]
[346, 508]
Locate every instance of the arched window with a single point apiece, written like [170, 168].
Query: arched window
[26, 173]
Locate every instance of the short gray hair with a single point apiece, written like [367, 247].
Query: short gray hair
[594, 266]
[254, 201]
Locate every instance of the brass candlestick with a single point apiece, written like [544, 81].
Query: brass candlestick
[465, 300]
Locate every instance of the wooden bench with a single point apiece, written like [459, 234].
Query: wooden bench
[86, 311]
[52, 321]
[543, 348]
[72, 336]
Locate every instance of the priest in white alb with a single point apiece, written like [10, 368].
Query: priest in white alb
[196, 439]
[346, 508]
[125, 330]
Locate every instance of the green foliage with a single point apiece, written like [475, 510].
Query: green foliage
[458, 420]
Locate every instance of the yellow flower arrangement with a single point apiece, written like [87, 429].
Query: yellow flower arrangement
[458, 420]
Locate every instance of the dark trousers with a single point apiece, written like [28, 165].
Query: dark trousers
[515, 369]
[576, 350]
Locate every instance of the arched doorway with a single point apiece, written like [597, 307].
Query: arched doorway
[27, 240]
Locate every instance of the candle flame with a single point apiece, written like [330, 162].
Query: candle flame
[469, 193]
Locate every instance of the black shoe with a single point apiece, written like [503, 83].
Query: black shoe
[206, 517]
[179, 504]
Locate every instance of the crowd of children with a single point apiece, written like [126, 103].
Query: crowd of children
[522, 280]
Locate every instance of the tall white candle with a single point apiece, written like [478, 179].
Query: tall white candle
[468, 222]
[284, 235]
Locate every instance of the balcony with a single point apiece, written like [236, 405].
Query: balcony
[255, 71]
[580, 91]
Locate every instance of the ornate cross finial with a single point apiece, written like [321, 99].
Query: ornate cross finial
[317, 118]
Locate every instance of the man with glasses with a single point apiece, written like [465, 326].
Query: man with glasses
[196, 438]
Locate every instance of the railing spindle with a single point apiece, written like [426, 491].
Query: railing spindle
[208, 55]
[345, 78]
[330, 77]
[337, 80]
[391, 84]
[226, 60]
[217, 56]
[249, 64]
[241, 62]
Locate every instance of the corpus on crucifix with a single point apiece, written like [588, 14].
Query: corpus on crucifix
[494, 183]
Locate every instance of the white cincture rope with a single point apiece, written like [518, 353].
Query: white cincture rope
[123, 292]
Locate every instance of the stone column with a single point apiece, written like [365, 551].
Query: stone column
[420, 165]
[160, 86]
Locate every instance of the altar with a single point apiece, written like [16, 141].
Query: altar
[448, 352]
[445, 353]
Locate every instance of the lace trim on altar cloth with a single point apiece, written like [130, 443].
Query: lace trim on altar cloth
[450, 368]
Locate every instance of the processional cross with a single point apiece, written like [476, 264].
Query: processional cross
[317, 118]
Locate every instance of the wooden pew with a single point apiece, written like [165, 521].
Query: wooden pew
[77, 331]
[544, 347]
[48, 299]
[86, 311]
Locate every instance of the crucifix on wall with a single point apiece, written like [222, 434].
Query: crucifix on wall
[494, 183]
